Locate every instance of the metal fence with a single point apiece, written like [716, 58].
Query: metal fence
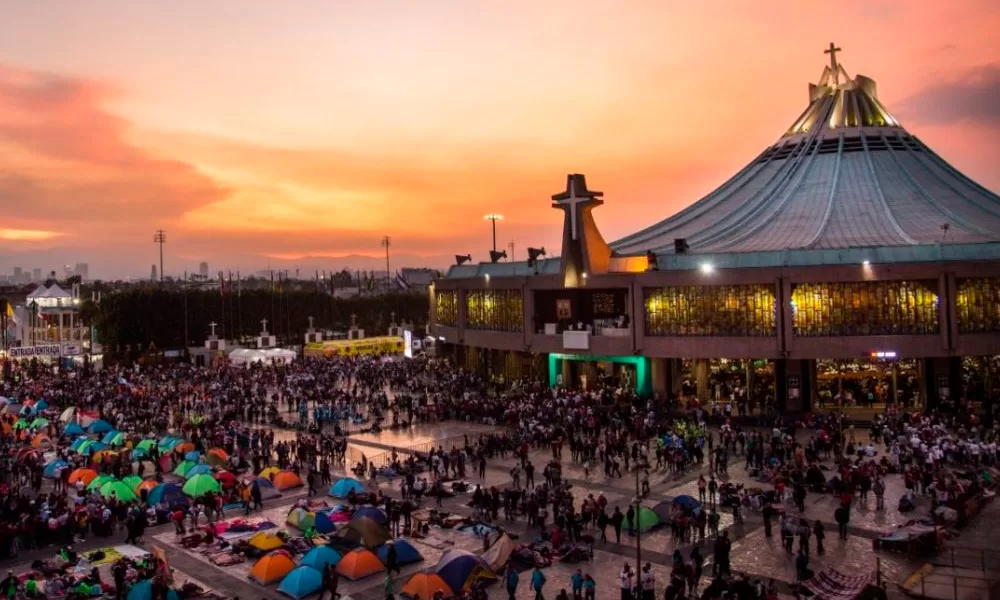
[958, 572]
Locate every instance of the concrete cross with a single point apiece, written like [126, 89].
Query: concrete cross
[832, 51]
[213, 325]
[354, 321]
[392, 317]
[263, 326]
[310, 323]
[573, 202]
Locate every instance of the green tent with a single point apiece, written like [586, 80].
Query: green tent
[117, 440]
[100, 480]
[184, 467]
[40, 422]
[118, 489]
[132, 481]
[200, 484]
[21, 424]
[146, 445]
[647, 519]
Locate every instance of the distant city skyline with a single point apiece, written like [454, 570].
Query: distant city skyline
[258, 135]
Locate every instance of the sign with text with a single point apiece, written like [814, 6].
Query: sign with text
[33, 351]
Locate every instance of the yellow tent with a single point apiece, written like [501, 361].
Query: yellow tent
[387, 344]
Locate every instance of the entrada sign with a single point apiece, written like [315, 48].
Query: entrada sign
[31, 351]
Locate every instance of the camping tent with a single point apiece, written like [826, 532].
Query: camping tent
[426, 585]
[248, 356]
[461, 568]
[319, 557]
[373, 513]
[266, 541]
[646, 519]
[144, 591]
[301, 582]
[363, 531]
[287, 480]
[167, 493]
[359, 563]
[499, 553]
[272, 567]
[406, 554]
[344, 486]
[267, 489]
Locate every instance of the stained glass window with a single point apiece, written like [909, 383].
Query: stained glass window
[978, 304]
[494, 310]
[446, 307]
[865, 308]
[729, 310]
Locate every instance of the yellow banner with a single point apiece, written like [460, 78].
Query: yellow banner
[367, 346]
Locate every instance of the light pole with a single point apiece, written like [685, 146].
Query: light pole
[160, 237]
[494, 217]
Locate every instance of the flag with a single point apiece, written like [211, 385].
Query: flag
[239, 284]
[222, 285]
[401, 281]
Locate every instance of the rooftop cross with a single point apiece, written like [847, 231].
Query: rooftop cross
[834, 68]
[310, 323]
[213, 325]
[354, 321]
[263, 326]
[571, 201]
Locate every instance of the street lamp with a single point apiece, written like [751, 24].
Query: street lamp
[494, 217]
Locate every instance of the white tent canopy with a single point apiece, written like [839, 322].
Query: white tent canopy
[246, 356]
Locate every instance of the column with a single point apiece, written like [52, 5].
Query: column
[660, 375]
[566, 369]
[701, 377]
[795, 384]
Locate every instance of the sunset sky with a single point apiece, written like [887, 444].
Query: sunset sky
[270, 132]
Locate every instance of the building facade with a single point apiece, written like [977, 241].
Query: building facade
[847, 239]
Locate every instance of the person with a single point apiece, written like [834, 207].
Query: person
[879, 489]
[616, 521]
[697, 564]
[819, 532]
[701, 488]
[537, 583]
[576, 584]
[8, 586]
[802, 571]
[562, 595]
[630, 519]
[842, 515]
[118, 572]
[713, 486]
[391, 558]
[589, 587]
[648, 580]
[721, 552]
[330, 581]
[768, 514]
[389, 591]
[311, 481]
[625, 582]
[510, 580]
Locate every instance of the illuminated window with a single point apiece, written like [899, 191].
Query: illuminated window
[978, 305]
[494, 310]
[730, 310]
[446, 307]
[865, 308]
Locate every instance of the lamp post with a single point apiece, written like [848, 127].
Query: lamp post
[494, 217]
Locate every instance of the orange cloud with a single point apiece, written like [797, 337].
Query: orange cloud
[27, 235]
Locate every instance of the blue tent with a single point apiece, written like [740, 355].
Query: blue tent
[457, 566]
[100, 426]
[197, 470]
[301, 582]
[26, 411]
[95, 447]
[73, 429]
[41, 405]
[168, 442]
[373, 513]
[344, 486]
[267, 489]
[52, 469]
[406, 554]
[144, 591]
[77, 443]
[323, 522]
[109, 436]
[319, 557]
[686, 501]
[193, 456]
[138, 453]
[168, 493]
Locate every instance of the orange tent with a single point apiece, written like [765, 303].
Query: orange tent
[82, 475]
[286, 480]
[147, 485]
[359, 563]
[218, 452]
[272, 567]
[426, 585]
[216, 457]
[41, 440]
[183, 447]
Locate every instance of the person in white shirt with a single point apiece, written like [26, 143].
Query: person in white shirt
[625, 582]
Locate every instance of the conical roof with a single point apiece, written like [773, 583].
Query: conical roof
[846, 174]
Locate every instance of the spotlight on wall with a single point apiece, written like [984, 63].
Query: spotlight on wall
[533, 254]
[496, 255]
[461, 259]
[866, 263]
[707, 268]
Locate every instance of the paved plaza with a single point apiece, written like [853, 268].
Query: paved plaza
[752, 552]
